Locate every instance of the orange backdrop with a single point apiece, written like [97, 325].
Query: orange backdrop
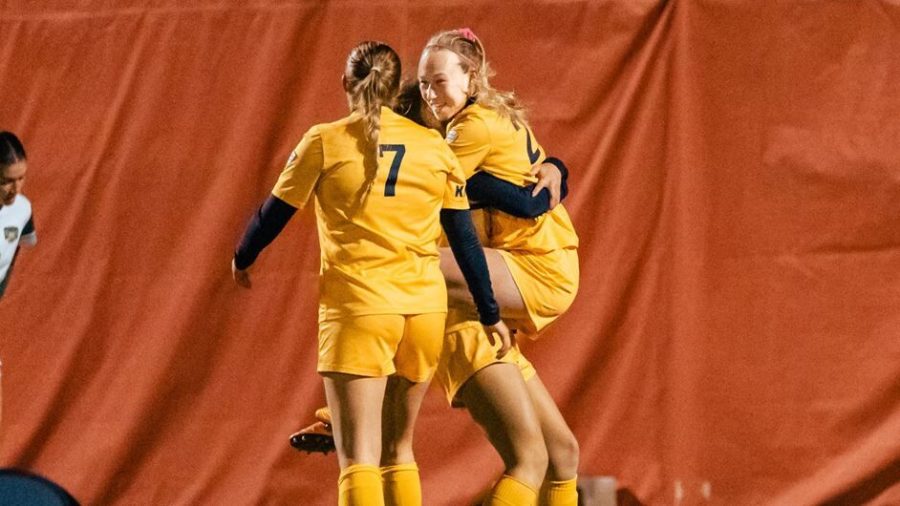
[736, 186]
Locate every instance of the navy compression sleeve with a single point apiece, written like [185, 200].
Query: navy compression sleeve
[263, 228]
[29, 226]
[487, 190]
[467, 250]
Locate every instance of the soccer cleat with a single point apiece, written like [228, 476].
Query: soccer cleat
[317, 437]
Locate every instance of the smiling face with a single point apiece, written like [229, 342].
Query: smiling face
[12, 177]
[443, 83]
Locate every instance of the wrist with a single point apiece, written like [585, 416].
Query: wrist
[490, 319]
[556, 162]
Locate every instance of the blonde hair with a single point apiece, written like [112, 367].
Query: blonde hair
[372, 78]
[466, 45]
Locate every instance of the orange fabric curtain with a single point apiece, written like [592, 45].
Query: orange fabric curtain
[735, 183]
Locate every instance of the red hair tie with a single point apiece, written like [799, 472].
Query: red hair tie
[468, 34]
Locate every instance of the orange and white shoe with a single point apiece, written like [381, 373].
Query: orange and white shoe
[317, 437]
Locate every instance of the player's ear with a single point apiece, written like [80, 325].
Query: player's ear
[344, 82]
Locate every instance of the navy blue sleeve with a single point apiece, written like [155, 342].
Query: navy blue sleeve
[263, 228]
[469, 255]
[487, 190]
[29, 227]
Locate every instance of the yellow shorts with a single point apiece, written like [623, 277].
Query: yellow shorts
[467, 350]
[548, 283]
[381, 345]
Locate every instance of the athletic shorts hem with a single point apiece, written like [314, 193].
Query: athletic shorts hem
[423, 379]
[357, 371]
[454, 390]
[538, 319]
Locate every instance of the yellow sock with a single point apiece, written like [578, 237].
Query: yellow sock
[559, 493]
[511, 492]
[360, 485]
[401, 485]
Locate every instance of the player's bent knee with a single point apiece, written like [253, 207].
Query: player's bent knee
[533, 462]
[564, 456]
[530, 450]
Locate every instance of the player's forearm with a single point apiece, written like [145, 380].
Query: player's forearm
[29, 240]
[487, 190]
[264, 227]
[469, 255]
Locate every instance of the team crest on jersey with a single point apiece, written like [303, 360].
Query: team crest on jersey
[11, 234]
[451, 136]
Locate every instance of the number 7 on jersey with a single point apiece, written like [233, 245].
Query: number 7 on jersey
[390, 186]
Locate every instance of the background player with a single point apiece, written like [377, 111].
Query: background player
[16, 220]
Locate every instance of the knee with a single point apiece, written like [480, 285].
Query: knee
[533, 457]
[563, 454]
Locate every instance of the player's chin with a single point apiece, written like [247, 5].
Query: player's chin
[443, 114]
[8, 201]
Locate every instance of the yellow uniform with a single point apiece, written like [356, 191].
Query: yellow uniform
[378, 217]
[541, 253]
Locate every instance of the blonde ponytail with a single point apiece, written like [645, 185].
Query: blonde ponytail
[373, 80]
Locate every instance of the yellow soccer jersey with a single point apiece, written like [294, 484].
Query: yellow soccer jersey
[484, 140]
[378, 213]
